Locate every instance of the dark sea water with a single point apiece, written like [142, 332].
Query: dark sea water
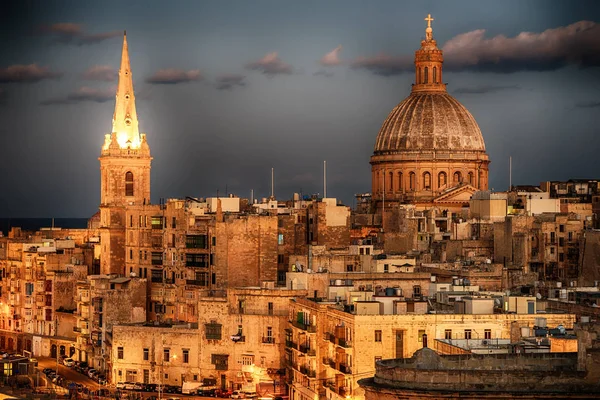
[34, 224]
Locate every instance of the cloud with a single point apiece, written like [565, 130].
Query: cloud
[575, 44]
[270, 65]
[171, 76]
[82, 94]
[384, 65]
[323, 72]
[229, 81]
[332, 58]
[485, 89]
[100, 73]
[71, 33]
[588, 104]
[3, 96]
[26, 74]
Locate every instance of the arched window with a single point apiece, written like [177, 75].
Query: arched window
[470, 178]
[457, 177]
[400, 183]
[391, 182]
[128, 184]
[420, 75]
[427, 181]
[426, 75]
[434, 74]
[442, 179]
[411, 181]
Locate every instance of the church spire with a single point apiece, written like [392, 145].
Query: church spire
[125, 122]
[428, 64]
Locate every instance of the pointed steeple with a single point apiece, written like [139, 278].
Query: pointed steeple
[428, 64]
[125, 121]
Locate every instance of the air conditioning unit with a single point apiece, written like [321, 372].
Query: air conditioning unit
[485, 342]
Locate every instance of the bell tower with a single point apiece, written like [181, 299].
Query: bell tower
[124, 171]
[428, 64]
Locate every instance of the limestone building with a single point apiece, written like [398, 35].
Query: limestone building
[429, 150]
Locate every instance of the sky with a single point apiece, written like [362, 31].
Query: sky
[227, 90]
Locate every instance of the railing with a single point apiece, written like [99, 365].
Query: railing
[291, 344]
[76, 329]
[195, 282]
[311, 373]
[345, 369]
[344, 343]
[305, 327]
[268, 339]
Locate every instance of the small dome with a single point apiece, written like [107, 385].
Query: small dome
[429, 121]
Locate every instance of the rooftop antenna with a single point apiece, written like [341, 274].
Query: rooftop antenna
[324, 179]
[272, 182]
[510, 173]
[251, 196]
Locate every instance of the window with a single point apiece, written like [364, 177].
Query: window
[214, 240]
[128, 184]
[467, 334]
[196, 242]
[157, 222]
[441, 179]
[131, 254]
[448, 334]
[411, 181]
[561, 257]
[470, 178]
[378, 336]
[349, 268]
[427, 180]
[280, 258]
[186, 356]
[241, 306]
[247, 359]
[166, 355]
[416, 291]
[146, 354]
[219, 361]
[400, 186]
[157, 258]
[377, 358]
[391, 188]
[487, 334]
[386, 268]
[174, 223]
[457, 177]
[280, 238]
[270, 308]
[120, 353]
[213, 331]
[420, 335]
[561, 241]
[435, 75]
[551, 250]
[561, 228]
[130, 220]
[270, 334]
[426, 75]
[196, 260]
[552, 237]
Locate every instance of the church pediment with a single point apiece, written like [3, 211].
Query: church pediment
[459, 194]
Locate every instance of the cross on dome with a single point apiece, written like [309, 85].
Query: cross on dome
[429, 19]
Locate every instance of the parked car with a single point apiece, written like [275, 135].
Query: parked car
[137, 386]
[226, 394]
[129, 386]
[150, 387]
[91, 372]
[69, 362]
[207, 392]
[120, 385]
[101, 379]
[236, 394]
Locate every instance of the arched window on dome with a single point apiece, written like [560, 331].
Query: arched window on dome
[411, 181]
[426, 75]
[128, 183]
[426, 181]
[435, 75]
[442, 179]
[457, 178]
[470, 178]
[400, 183]
[420, 75]
[391, 189]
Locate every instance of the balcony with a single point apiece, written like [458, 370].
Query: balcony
[342, 391]
[77, 329]
[305, 327]
[311, 373]
[291, 344]
[268, 339]
[344, 343]
[307, 350]
[344, 368]
[195, 282]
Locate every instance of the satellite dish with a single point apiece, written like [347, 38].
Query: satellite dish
[538, 296]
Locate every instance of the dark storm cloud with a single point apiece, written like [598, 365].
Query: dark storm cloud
[104, 73]
[588, 104]
[71, 33]
[485, 89]
[229, 81]
[26, 74]
[384, 65]
[323, 72]
[271, 65]
[171, 76]
[576, 44]
[82, 94]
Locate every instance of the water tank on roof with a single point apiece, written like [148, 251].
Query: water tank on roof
[525, 331]
[466, 282]
[338, 282]
[540, 322]
[390, 291]
[398, 292]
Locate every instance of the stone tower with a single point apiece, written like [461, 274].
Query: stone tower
[124, 171]
[429, 151]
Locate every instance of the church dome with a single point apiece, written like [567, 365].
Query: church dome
[429, 121]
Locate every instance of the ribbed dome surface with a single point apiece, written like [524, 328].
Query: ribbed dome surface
[429, 121]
